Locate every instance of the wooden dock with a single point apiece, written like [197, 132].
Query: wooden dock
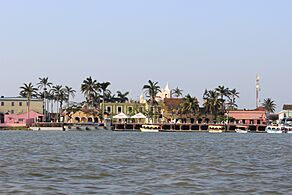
[185, 127]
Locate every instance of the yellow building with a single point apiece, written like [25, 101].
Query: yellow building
[81, 117]
[129, 108]
[16, 105]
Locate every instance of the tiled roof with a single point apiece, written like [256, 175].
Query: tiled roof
[248, 114]
[172, 101]
[287, 107]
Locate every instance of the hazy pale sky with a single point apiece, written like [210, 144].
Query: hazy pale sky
[191, 44]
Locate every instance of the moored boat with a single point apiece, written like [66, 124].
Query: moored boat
[216, 128]
[241, 129]
[150, 128]
[81, 127]
[47, 126]
[274, 129]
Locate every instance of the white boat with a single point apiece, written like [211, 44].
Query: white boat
[150, 128]
[81, 127]
[46, 126]
[274, 129]
[216, 128]
[241, 129]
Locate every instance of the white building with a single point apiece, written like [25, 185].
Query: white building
[286, 112]
[165, 93]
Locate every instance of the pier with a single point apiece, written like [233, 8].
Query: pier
[185, 127]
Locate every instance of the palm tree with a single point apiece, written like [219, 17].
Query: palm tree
[233, 95]
[176, 92]
[44, 84]
[269, 105]
[69, 92]
[104, 89]
[28, 91]
[190, 105]
[212, 102]
[51, 98]
[122, 97]
[90, 88]
[151, 91]
[60, 97]
[223, 92]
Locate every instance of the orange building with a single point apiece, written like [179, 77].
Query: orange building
[257, 116]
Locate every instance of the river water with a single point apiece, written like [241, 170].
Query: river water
[144, 163]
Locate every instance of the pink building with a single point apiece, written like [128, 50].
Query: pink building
[257, 116]
[21, 119]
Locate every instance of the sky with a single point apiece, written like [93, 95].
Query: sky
[191, 44]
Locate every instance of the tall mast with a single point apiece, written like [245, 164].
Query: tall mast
[257, 91]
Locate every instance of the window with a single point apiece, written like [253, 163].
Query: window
[141, 109]
[130, 109]
[12, 103]
[2, 103]
[119, 109]
[20, 103]
[109, 109]
[12, 111]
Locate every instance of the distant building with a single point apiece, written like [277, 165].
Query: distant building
[286, 112]
[81, 117]
[129, 108]
[257, 116]
[170, 112]
[16, 106]
[165, 93]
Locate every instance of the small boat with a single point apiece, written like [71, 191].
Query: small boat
[241, 129]
[216, 128]
[150, 128]
[47, 126]
[274, 129]
[81, 127]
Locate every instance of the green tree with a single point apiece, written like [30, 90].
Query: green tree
[69, 92]
[151, 90]
[176, 92]
[212, 102]
[28, 91]
[269, 105]
[190, 105]
[122, 97]
[91, 89]
[105, 91]
[44, 84]
[222, 92]
[232, 99]
[59, 97]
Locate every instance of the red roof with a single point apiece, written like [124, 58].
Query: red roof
[247, 114]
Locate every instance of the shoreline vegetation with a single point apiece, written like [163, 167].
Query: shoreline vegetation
[96, 94]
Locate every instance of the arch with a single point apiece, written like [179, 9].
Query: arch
[200, 120]
[77, 119]
[95, 119]
[192, 120]
[90, 119]
[207, 120]
[83, 119]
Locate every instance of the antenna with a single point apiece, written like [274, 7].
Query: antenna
[257, 91]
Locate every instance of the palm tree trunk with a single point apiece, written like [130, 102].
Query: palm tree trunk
[48, 107]
[28, 109]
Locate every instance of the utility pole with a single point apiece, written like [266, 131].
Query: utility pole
[257, 91]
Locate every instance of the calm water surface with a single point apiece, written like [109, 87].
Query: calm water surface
[144, 163]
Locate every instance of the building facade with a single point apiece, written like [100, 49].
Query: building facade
[16, 105]
[129, 108]
[286, 112]
[257, 116]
